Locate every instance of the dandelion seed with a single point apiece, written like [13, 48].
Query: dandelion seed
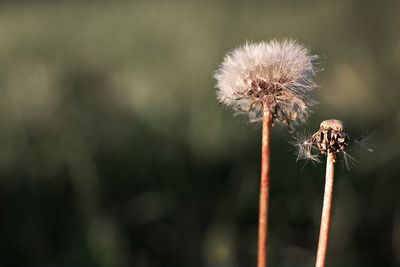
[269, 81]
[362, 140]
[305, 149]
[349, 161]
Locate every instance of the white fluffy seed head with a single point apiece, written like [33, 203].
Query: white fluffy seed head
[274, 75]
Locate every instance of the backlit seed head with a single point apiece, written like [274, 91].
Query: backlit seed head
[274, 76]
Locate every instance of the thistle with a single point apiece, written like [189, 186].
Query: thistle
[269, 81]
[331, 140]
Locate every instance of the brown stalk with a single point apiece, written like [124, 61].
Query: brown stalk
[326, 211]
[264, 191]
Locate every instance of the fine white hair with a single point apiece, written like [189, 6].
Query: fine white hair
[274, 75]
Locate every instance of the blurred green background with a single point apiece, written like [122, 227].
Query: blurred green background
[114, 151]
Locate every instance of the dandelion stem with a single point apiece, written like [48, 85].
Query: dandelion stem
[264, 191]
[326, 211]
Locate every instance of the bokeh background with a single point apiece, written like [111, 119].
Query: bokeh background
[114, 151]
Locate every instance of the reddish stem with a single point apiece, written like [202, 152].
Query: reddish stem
[326, 211]
[264, 191]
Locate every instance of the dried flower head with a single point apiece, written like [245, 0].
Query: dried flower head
[331, 137]
[276, 76]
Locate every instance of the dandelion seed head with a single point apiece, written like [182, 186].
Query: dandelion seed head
[330, 138]
[276, 76]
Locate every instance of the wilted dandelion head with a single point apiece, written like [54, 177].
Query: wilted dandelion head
[330, 138]
[274, 76]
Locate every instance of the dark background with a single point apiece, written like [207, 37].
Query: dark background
[114, 151]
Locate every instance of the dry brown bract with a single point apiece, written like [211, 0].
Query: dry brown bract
[331, 136]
